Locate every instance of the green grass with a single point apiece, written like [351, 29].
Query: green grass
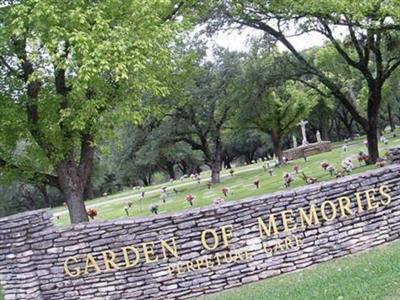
[240, 185]
[1, 295]
[371, 275]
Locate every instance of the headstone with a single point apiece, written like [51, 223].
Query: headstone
[294, 141]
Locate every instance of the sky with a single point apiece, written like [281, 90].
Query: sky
[236, 40]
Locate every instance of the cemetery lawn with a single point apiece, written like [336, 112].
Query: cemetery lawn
[370, 275]
[240, 185]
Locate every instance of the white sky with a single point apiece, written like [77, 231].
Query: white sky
[236, 40]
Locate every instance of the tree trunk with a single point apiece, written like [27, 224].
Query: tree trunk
[372, 138]
[43, 189]
[374, 101]
[349, 128]
[170, 168]
[277, 145]
[88, 192]
[391, 120]
[216, 165]
[72, 187]
[215, 172]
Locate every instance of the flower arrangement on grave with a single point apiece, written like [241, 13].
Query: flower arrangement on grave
[105, 194]
[225, 191]
[331, 169]
[198, 178]
[345, 148]
[189, 198]
[296, 168]
[384, 140]
[175, 190]
[380, 163]
[362, 157]
[340, 174]
[325, 165]
[154, 209]
[308, 179]
[387, 153]
[347, 165]
[163, 196]
[126, 209]
[92, 213]
[209, 185]
[365, 142]
[257, 183]
[231, 171]
[130, 204]
[271, 171]
[287, 178]
[218, 201]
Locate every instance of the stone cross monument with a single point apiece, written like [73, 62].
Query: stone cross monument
[303, 124]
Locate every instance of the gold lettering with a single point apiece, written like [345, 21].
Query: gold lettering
[77, 270]
[344, 204]
[227, 234]
[323, 213]
[148, 250]
[172, 250]
[267, 230]
[214, 236]
[359, 204]
[370, 198]
[288, 243]
[128, 263]
[91, 263]
[309, 220]
[109, 260]
[288, 218]
[384, 191]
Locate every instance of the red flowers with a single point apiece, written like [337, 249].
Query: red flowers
[92, 212]
[362, 157]
[190, 198]
[324, 165]
[296, 168]
[225, 191]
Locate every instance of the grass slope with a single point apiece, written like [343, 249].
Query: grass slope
[371, 275]
[240, 186]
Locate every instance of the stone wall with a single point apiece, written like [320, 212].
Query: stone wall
[307, 150]
[33, 250]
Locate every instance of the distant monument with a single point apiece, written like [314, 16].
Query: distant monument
[318, 135]
[303, 124]
[306, 149]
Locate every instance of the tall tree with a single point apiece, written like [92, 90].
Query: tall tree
[270, 104]
[372, 34]
[69, 70]
[203, 106]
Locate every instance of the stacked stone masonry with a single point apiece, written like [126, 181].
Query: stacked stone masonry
[33, 250]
